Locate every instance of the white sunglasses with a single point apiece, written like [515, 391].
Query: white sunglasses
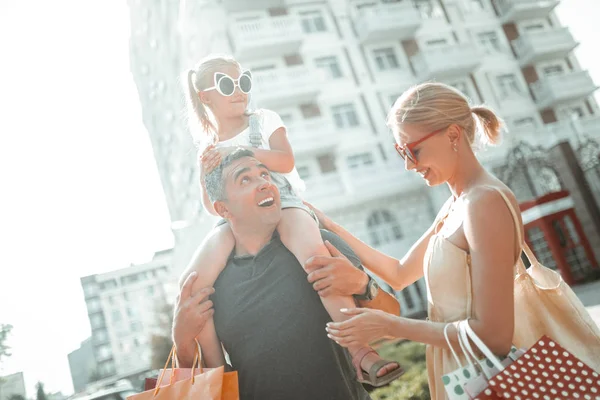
[225, 85]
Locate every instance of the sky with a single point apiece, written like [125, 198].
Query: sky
[80, 189]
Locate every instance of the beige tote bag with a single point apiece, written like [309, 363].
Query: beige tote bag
[546, 305]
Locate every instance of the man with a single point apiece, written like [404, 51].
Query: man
[268, 316]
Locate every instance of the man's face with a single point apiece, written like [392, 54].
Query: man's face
[251, 199]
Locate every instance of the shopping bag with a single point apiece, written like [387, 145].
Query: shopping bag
[471, 378]
[546, 371]
[204, 386]
[230, 388]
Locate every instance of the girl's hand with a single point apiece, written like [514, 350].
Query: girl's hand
[365, 327]
[208, 160]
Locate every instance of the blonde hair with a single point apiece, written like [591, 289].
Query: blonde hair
[435, 106]
[197, 79]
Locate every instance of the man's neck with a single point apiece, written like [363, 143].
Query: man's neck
[250, 240]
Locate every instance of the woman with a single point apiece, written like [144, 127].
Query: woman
[468, 254]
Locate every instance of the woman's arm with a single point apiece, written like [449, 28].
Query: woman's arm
[280, 158]
[492, 238]
[397, 273]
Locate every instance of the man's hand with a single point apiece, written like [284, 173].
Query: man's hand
[192, 310]
[335, 275]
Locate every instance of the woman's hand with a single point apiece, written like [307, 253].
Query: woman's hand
[335, 275]
[365, 327]
[324, 220]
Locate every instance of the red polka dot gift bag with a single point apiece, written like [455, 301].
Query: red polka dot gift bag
[546, 371]
[471, 378]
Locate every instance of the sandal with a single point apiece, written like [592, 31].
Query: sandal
[373, 379]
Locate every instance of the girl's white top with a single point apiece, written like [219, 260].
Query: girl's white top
[270, 121]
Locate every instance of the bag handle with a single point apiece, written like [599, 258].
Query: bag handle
[480, 345]
[450, 345]
[174, 361]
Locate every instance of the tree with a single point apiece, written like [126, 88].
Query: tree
[161, 342]
[40, 395]
[16, 397]
[4, 332]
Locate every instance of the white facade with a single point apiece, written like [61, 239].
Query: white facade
[332, 69]
[12, 385]
[122, 307]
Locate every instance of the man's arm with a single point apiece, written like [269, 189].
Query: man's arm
[383, 301]
[343, 274]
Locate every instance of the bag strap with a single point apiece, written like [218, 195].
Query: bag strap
[255, 130]
[175, 361]
[450, 345]
[524, 247]
[470, 333]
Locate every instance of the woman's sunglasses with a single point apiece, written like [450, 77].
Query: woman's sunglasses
[225, 85]
[407, 152]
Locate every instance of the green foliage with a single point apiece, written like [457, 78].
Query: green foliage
[413, 384]
[4, 332]
[40, 394]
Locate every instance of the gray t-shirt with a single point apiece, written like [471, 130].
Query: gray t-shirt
[272, 325]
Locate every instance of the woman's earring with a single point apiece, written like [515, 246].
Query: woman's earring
[455, 148]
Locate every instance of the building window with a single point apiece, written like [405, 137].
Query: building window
[462, 87]
[303, 171]
[383, 227]
[93, 305]
[439, 42]
[97, 321]
[534, 27]
[100, 336]
[90, 290]
[329, 66]
[326, 163]
[116, 315]
[310, 110]
[345, 116]
[508, 86]
[313, 21]
[553, 70]
[135, 326]
[108, 285]
[490, 42]
[360, 160]
[104, 352]
[527, 122]
[428, 8]
[386, 59]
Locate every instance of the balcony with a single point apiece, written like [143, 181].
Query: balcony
[285, 87]
[534, 47]
[447, 61]
[324, 189]
[387, 21]
[381, 180]
[312, 136]
[554, 90]
[518, 10]
[267, 37]
[245, 5]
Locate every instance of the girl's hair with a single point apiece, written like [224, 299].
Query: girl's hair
[194, 81]
[436, 105]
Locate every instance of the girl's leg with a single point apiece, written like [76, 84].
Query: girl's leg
[209, 261]
[300, 233]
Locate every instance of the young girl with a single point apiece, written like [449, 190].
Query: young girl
[219, 85]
